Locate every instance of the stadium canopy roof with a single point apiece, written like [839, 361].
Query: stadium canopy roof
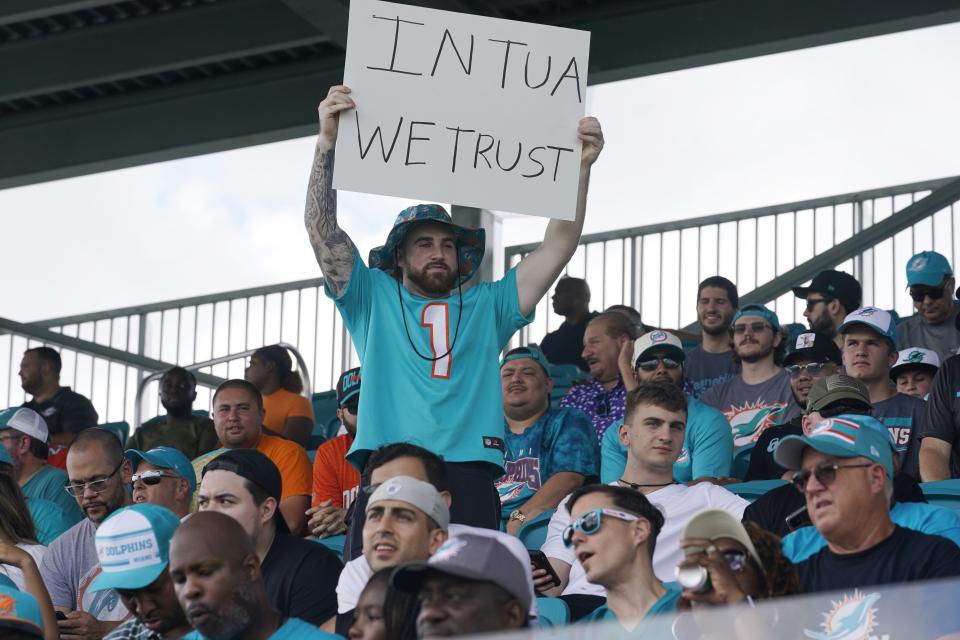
[90, 85]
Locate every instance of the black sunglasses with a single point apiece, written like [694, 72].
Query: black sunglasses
[813, 303]
[919, 293]
[825, 472]
[602, 408]
[352, 405]
[654, 363]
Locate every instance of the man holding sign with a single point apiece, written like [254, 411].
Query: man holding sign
[429, 350]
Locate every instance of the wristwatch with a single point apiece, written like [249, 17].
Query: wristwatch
[517, 515]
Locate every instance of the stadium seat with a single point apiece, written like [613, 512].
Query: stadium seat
[564, 375]
[944, 493]
[534, 533]
[324, 413]
[119, 429]
[754, 489]
[741, 462]
[553, 612]
[334, 543]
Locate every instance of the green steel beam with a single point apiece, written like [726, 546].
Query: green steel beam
[23, 10]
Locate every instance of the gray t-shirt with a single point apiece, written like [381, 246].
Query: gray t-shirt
[752, 408]
[942, 338]
[69, 566]
[702, 370]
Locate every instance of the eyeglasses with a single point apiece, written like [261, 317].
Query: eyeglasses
[813, 303]
[602, 407]
[755, 327]
[654, 363]
[825, 472]
[151, 477]
[352, 405]
[589, 523]
[813, 369]
[919, 293]
[77, 489]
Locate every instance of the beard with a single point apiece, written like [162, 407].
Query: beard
[435, 283]
[756, 356]
[823, 323]
[234, 616]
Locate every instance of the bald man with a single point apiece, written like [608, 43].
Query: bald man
[216, 575]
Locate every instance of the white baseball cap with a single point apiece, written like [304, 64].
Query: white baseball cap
[25, 421]
[658, 339]
[915, 358]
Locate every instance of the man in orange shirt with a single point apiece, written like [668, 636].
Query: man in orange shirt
[336, 481]
[238, 419]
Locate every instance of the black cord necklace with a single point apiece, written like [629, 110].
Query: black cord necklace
[403, 313]
[637, 487]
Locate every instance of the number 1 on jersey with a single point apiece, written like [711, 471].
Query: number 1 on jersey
[436, 317]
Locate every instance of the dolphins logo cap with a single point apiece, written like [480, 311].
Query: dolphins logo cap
[348, 385]
[25, 421]
[928, 269]
[873, 318]
[165, 458]
[658, 339]
[422, 495]
[846, 436]
[133, 546]
[757, 310]
[532, 352]
[19, 611]
[915, 358]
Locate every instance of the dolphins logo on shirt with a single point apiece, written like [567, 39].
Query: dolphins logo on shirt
[852, 618]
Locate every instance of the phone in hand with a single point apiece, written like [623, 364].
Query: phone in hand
[799, 518]
[61, 615]
[539, 561]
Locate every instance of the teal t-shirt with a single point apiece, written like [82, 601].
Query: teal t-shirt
[667, 603]
[707, 447]
[48, 520]
[292, 629]
[453, 406]
[926, 518]
[47, 484]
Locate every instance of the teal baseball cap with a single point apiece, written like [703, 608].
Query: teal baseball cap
[758, 310]
[532, 352]
[873, 318]
[133, 546]
[5, 456]
[19, 611]
[165, 458]
[927, 268]
[845, 436]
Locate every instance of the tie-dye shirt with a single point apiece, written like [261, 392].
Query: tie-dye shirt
[601, 406]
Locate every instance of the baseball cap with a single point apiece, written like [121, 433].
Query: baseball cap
[830, 389]
[816, 347]
[348, 385]
[758, 310]
[422, 495]
[532, 352]
[717, 523]
[20, 611]
[834, 284]
[254, 466]
[133, 546]
[915, 358]
[658, 339]
[165, 458]
[927, 268]
[846, 436]
[26, 421]
[472, 557]
[872, 318]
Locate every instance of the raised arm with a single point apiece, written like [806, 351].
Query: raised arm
[333, 248]
[537, 271]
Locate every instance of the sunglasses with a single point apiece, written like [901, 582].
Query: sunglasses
[813, 369]
[151, 477]
[825, 472]
[77, 489]
[755, 327]
[654, 363]
[352, 405]
[602, 407]
[919, 293]
[589, 523]
[811, 304]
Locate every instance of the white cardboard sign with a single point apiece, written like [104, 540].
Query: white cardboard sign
[464, 109]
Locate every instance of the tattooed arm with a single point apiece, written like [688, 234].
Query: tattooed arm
[333, 248]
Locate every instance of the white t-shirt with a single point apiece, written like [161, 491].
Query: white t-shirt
[355, 573]
[678, 503]
[14, 573]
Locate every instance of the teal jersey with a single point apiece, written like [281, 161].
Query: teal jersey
[451, 406]
[292, 629]
[926, 518]
[48, 520]
[667, 603]
[47, 484]
[707, 447]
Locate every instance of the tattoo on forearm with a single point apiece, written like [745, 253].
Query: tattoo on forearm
[332, 246]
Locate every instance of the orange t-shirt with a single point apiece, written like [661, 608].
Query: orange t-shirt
[291, 460]
[283, 404]
[334, 478]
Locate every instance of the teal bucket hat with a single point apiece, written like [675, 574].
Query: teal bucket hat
[470, 242]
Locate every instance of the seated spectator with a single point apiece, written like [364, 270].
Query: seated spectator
[760, 396]
[613, 531]
[24, 616]
[814, 356]
[914, 371]
[300, 576]
[216, 576]
[711, 362]
[937, 435]
[707, 444]
[869, 351]
[831, 296]
[550, 452]
[473, 584]
[65, 411]
[851, 510]
[931, 283]
[16, 530]
[336, 481]
[237, 416]
[571, 299]
[162, 476]
[653, 433]
[602, 397]
[192, 435]
[286, 411]
[133, 546]
[368, 618]
[98, 479]
[24, 434]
